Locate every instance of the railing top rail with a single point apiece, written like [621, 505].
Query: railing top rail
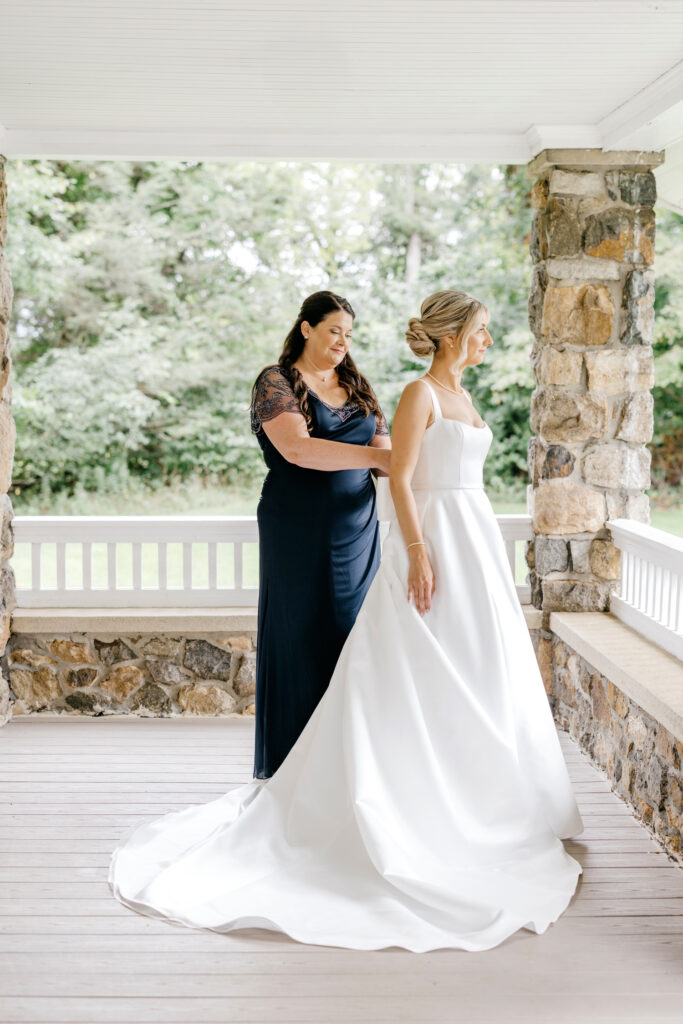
[30, 520]
[150, 529]
[661, 547]
[169, 529]
[515, 525]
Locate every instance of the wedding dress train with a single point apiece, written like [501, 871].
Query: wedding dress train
[424, 803]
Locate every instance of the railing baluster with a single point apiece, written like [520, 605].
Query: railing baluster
[61, 566]
[36, 564]
[238, 565]
[627, 570]
[187, 565]
[162, 565]
[620, 585]
[137, 566]
[213, 568]
[111, 565]
[664, 597]
[650, 590]
[87, 564]
[674, 583]
[659, 592]
[510, 546]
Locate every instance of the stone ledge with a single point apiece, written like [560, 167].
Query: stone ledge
[156, 620]
[115, 621]
[646, 673]
[593, 157]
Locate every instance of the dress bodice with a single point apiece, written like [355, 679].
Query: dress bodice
[452, 455]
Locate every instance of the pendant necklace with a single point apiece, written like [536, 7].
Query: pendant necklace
[327, 373]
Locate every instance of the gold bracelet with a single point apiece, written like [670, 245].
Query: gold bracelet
[414, 543]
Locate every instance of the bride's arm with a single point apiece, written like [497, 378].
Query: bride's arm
[412, 416]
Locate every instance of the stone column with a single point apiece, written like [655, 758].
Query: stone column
[7, 436]
[591, 314]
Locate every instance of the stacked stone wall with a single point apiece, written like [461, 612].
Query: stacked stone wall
[591, 311]
[7, 437]
[158, 676]
[642, 760]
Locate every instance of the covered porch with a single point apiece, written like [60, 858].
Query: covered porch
[127, 684]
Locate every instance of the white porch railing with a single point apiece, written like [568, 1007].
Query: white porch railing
[135, 561]
[650, 593]
[212, 561]
[516, 529]
[161, 561]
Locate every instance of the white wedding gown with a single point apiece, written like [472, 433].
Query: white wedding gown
[424, 803]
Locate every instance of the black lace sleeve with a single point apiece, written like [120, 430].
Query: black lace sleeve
[272, 396]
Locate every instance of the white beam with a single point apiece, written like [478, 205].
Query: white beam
[670, 179]
[562, 136]
[652, 119]
[408, 147]
[179, 145]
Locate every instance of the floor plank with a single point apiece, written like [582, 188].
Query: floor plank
[477, 1002]
[329, 986]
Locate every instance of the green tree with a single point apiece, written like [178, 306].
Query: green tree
[149, 295]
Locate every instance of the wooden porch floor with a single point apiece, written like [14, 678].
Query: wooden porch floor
[71, 953]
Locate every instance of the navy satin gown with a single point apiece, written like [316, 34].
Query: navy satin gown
[319, 549]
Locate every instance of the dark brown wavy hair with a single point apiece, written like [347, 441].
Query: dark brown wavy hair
[314, 309]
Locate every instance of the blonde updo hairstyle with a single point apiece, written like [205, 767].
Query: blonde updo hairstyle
[442, 313]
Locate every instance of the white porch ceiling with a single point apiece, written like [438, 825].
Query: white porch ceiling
[460, 80]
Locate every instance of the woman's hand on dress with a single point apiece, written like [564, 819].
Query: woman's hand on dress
[421, 582]
[383, 460]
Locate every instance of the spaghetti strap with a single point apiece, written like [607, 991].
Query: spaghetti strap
[438, 415]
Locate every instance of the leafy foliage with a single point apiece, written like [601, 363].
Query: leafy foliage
[149, 295]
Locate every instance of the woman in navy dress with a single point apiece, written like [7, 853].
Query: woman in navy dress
[323, 435]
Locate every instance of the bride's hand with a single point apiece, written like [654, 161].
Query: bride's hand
[421, 582]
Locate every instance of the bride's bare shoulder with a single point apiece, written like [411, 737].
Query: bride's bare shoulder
[415, 394]
[415, 404]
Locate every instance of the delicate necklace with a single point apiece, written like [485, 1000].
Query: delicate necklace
[327, 373]
[460, 392]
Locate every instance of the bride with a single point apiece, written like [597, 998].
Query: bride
[425, 802]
